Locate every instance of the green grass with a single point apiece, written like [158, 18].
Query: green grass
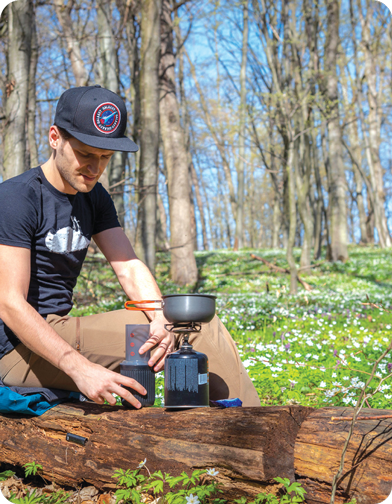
[315, 348]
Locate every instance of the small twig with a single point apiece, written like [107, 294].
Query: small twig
[373, 305]
[357, 409]
[346, 419]
[270, 265]
[311, 266]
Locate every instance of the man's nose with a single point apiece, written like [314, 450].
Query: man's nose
[93, 165]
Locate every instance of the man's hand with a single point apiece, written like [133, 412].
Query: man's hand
[98, 383]
[161, 340]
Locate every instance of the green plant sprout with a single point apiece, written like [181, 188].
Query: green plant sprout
[198, 488]
[32, 468]
[33, 497]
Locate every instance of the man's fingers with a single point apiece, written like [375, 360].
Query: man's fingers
[112, 383]
[150, 343]
[158, 360]
[131, 383]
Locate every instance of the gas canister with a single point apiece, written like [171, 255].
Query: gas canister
[186, 378]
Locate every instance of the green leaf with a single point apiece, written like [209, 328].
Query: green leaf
[283, 481]
[31, 468]
[5, 475]
[241, 500]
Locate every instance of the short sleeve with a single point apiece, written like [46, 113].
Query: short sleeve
[106, 215]
[18, 214]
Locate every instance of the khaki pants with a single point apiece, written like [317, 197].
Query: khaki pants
[101, 339]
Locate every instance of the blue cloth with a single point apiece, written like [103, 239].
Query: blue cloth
[227, 403]
[32, 401]
[35, 404]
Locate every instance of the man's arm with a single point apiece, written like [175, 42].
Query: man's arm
[138, 284]
[93, 380]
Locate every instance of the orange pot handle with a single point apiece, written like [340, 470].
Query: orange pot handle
[128, 305]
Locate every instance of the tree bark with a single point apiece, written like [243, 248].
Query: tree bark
[292, 218]
[32, 101]
[367, 472]
[374, 140]
[248, 446]
[20, 19]
[109, 71]
[149, 134]
[337, 187]
[356, 152]
[63, 12]
[196, 185]
[239, 229]
[183, 267]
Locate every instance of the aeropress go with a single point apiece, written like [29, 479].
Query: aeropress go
[186, 371]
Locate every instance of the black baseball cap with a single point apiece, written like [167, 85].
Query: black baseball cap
[95, 116]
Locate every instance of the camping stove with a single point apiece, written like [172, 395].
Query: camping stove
[186, 372]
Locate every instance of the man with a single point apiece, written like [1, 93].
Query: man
[48, 216]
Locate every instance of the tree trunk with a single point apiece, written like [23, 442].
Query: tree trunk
[292, 218]
[320, 211]
[356, 152]
[374, 120]
[337, 189]
[276, 219]
[149, 134]
[183, 263]
[195, 182]
[110, 79]
[302, 182]
[32, 101]
[239, 229]
[63, 12]
[162, 241]
[20, 19]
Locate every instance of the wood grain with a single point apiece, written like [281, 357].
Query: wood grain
[367, 472]
[248, 446]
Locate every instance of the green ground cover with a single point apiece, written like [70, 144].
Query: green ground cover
[316, 348]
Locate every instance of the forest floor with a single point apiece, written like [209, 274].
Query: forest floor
[316, 348]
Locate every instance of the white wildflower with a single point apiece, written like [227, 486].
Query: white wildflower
[142, 463]
[192, 499]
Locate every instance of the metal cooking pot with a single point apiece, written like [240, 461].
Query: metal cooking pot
[181, 308]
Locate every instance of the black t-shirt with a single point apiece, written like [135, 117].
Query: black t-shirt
[57, 228]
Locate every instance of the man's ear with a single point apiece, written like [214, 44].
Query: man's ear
[54, 137]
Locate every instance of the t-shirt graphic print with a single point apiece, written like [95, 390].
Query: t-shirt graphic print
[67, 239]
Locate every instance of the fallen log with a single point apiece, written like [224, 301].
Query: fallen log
[248, 446]
[367, 474]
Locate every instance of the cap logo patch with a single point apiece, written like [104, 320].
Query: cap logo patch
[106, 117]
